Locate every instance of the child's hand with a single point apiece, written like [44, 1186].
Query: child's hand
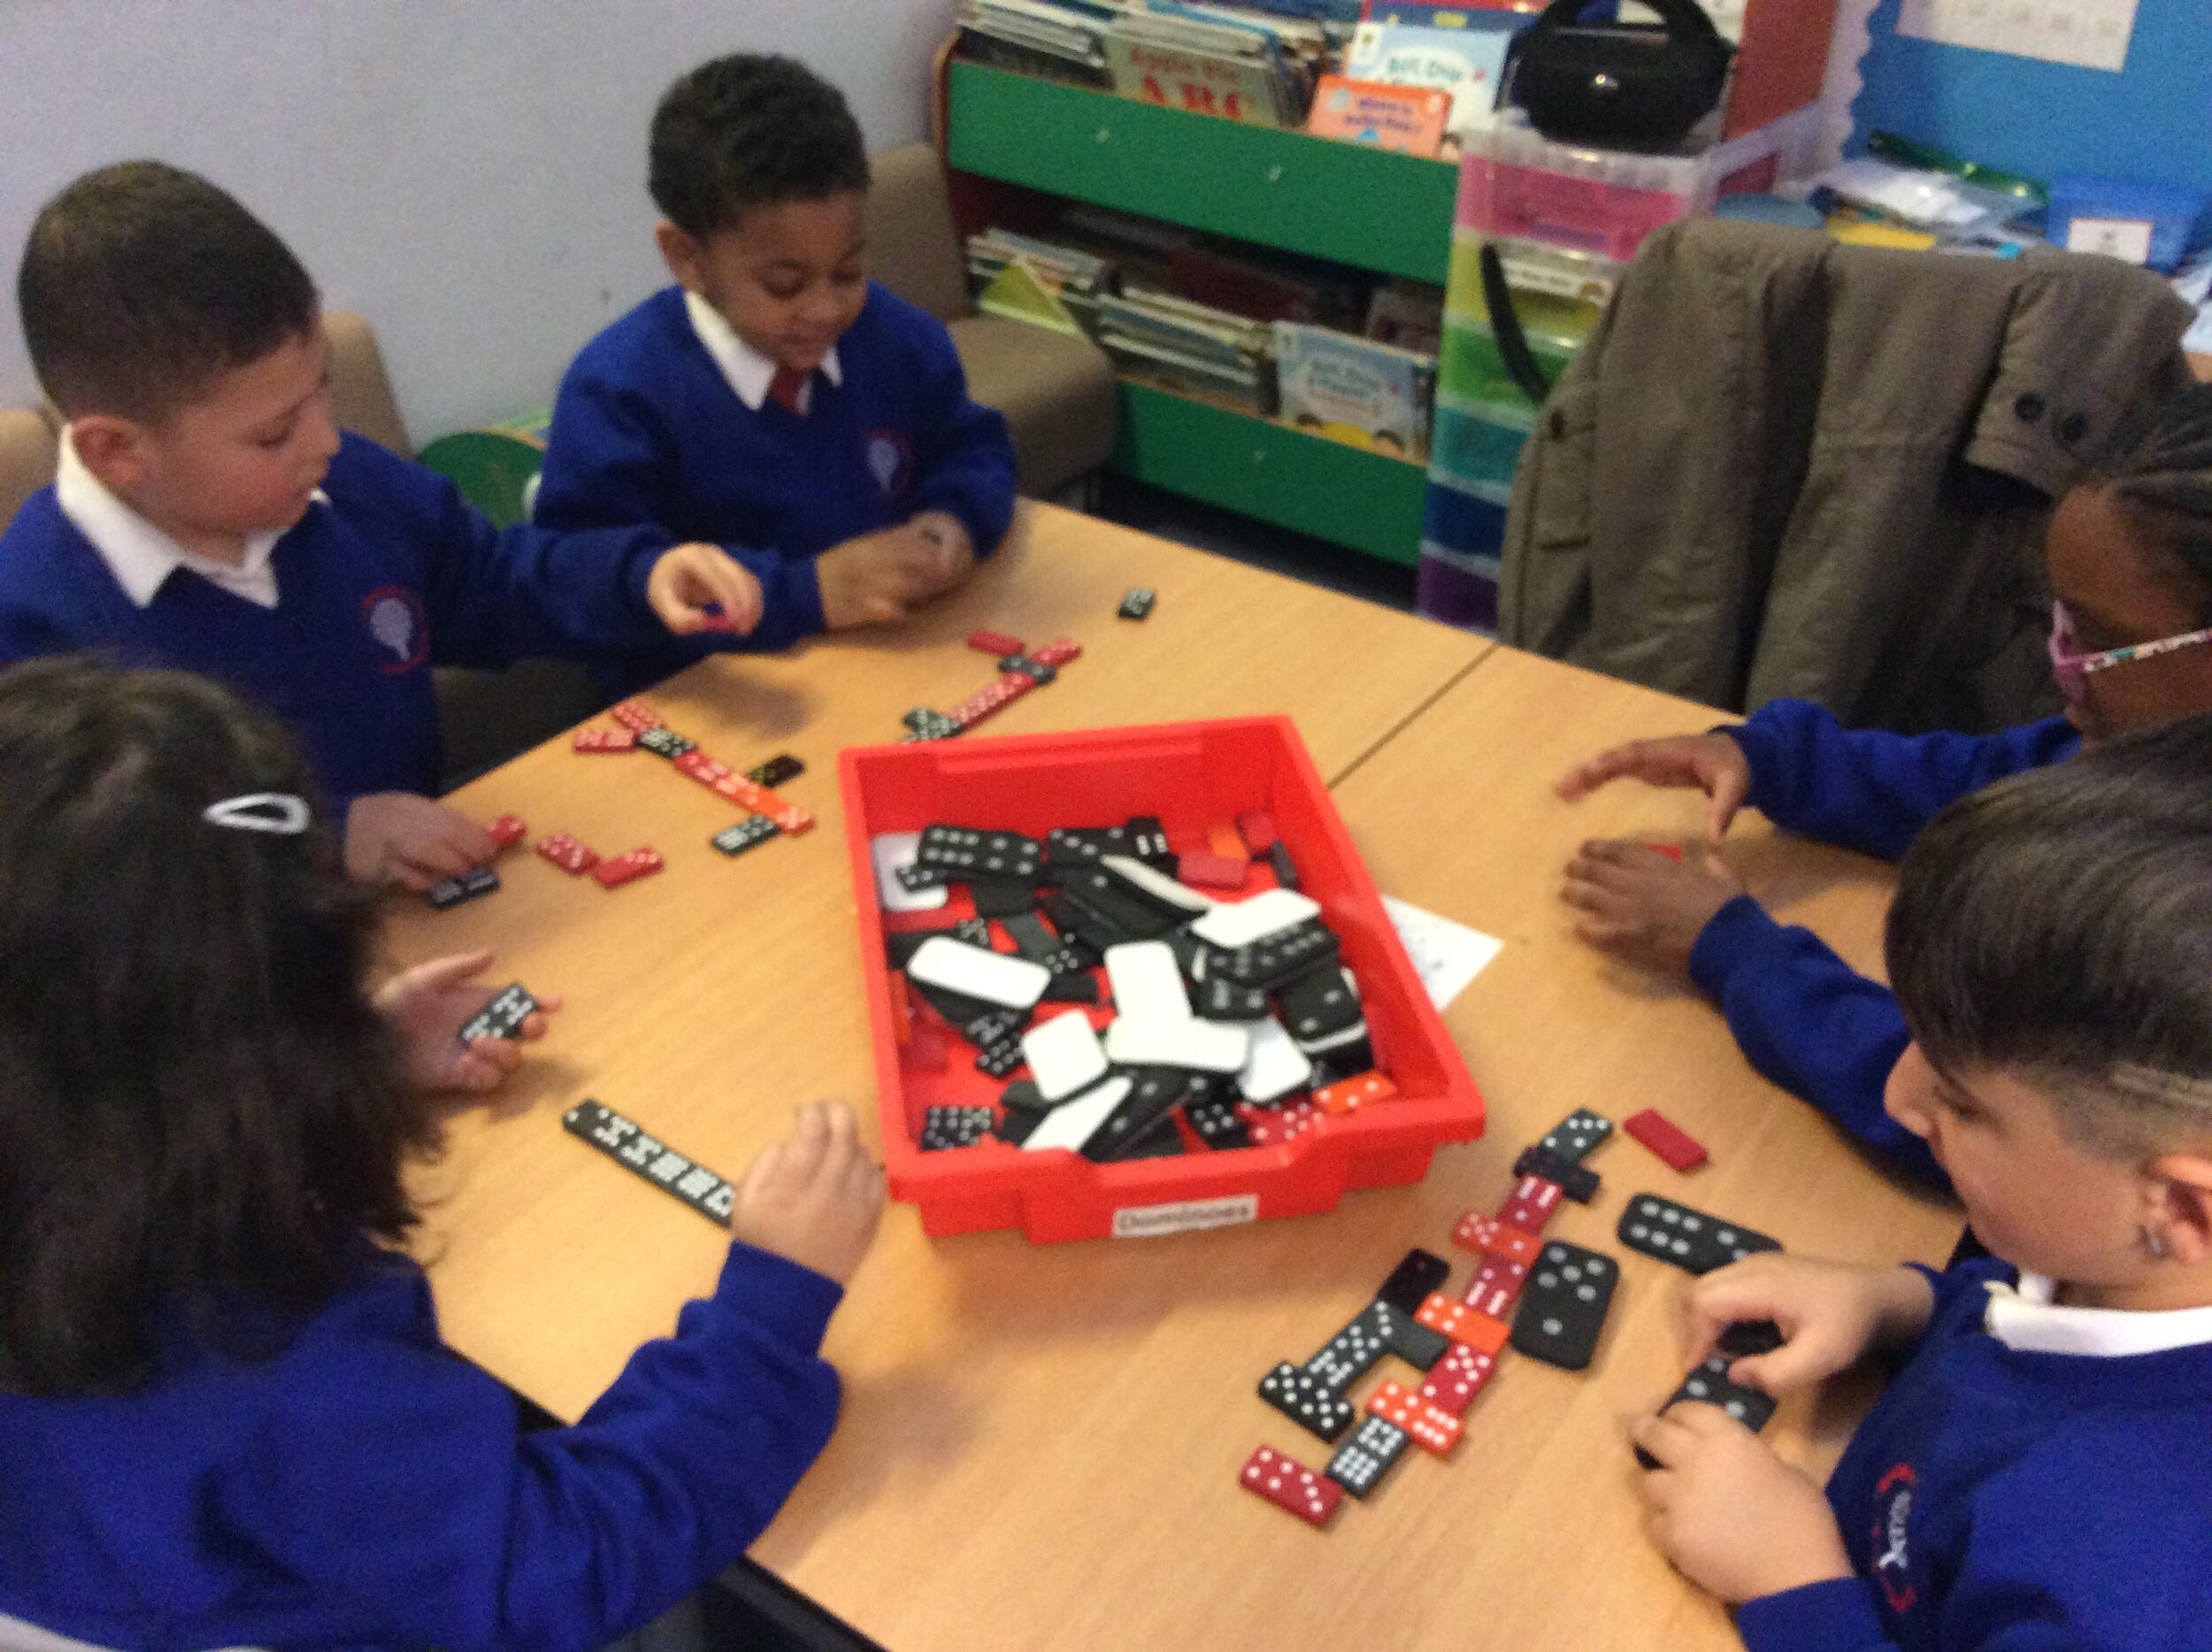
[689, 579]
[1733, 1518]
[429, 1004]
[1714, 763]
[814, 1197]
[876, 578]
[1646, 905]
[1831, 1315]
[396, 837]
[950, 534]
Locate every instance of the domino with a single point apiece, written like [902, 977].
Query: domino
[1178, 900]
[636, 716]
[1458, 1377]
[1198, 1046]
[1146, 982]
[1057, 653]
[567, 853]
[1563, 1309]
[503, 1017]
[506, 831]
[1291, 1486]
[1578, 1181]
[1273, 1066]
[1136, 603]
[1486, 1235]
[665, 743]
[995, 977]
[1532, 1205]
[1574, 1136]
[1070, 1125]
[1036, 670]
[1352, 1352]
[1348, 1096]
[1432, 1428]
[1709, 1384]
[947, 1128]
[1233, 925]
[1064, 1056]
[994, 643]
[1468, 1326]
[781, 767]
[1691, 1240]
[639, 863]
[621, 1141]
[1128, 1132]
[605, 740]
[1418, 1274]
[754, 830]
[1664, 1138]
[1407, 1338]
[1217, 1125]
[1361, 1462]
[451, 892]
[1308, 1402]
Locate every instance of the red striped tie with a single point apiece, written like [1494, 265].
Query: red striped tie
[787, 390]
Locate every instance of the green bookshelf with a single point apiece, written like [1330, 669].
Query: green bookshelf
[1391, 214]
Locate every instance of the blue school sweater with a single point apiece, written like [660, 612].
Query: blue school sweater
[367, 1488]
[648, 430]
[1803, 1017]
[393, 575]
[2007, 1500]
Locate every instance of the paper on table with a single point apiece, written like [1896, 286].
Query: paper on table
[1447, 956]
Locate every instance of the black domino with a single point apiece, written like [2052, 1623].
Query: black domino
[1564, 1305]
[621, 1141]
[1654, 1226]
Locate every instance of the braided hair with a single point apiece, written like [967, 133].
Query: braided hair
[2162, 477]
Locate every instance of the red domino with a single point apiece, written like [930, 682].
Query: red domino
[506, 831]
[1271, 1127]
[1204, 869]
[1664, 1137]
[636, 715]
[1348, 1096]
[1457, 1377]
[997, 644]
[1258, 830]
[1057, 653]
[1497, 1282]
[1532, 1205]
[1483, 1332]
[1488, 1235]
[1432, 1428]
[625, 868]
[790, 817]
[1291, 1486]
[606, 739]
[567, 853]
[697, 766]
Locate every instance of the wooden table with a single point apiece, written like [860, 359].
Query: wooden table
[1039, 1444]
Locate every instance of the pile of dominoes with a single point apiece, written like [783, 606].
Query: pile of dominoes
[1019, 671]
[638, 727]
[1558, 1296]
[1234, 1022]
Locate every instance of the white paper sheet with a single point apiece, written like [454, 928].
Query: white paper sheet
[1447, 955]
[2091, 34]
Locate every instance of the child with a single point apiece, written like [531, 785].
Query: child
[774, 399]
[209, 516]
[226, 1418]
[2038, 1473]
[2129, 555]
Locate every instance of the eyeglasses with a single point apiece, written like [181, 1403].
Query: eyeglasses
[2072, 667]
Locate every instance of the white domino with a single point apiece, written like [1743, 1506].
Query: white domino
[891, 852]
[979, 972]
[1153, 881]
[1070, 1124]
[1232, 926]
[1147, 982]
[1199, 1046]
[1273, 1066]
[1064, 1056]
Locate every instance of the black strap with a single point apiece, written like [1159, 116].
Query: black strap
[1680, 17]
[1505, 325]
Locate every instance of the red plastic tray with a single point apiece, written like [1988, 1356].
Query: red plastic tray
[1192, 776]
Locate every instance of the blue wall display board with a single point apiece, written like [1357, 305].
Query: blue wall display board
[2152, 122]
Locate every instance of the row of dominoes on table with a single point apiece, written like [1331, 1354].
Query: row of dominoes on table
[1563, 1292]
[1019, 671]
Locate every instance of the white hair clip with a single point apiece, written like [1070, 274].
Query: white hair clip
[280, 812]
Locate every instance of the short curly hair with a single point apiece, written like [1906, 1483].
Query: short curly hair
[747, 131]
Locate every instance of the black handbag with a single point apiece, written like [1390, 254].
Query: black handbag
[1622, 86]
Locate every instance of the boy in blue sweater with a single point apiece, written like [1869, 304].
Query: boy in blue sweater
[209, 516]
[2129, 557]
[775, 400]
[2038, 1474]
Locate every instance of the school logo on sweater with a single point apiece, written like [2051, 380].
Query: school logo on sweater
[890, 461]
[398, 627]
[1893, 1561]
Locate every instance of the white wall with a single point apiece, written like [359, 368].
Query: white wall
[468, 173]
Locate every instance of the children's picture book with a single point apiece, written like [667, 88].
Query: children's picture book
[1469, 62]
[1248, 90]
[1409, 120]
[1370, 395]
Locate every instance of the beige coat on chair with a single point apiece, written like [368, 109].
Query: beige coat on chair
[1784, 466]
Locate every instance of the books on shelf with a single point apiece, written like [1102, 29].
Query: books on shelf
[1409, 120]
[1189, 345]
[1467, 62]
[1280, 289]
[1056, 42]
[1352, 390]
[1408, 314]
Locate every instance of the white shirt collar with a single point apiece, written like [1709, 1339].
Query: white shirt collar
[141, 555]
[2027, 1320]
[748, 371]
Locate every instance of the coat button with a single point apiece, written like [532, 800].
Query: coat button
[2073, 427]
[1558, 426]
[2028, 407]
